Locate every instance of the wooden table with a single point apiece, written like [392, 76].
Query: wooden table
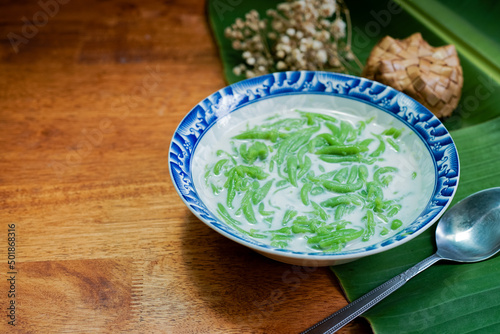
[90, 95]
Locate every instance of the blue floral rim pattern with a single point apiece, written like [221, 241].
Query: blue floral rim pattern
[427, 126]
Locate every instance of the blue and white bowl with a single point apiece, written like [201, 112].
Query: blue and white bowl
[438, 155]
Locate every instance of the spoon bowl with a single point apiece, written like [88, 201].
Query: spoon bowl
[468, 232]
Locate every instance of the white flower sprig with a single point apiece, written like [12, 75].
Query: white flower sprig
[299, 35]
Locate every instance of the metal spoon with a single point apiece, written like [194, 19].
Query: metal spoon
[468, 232]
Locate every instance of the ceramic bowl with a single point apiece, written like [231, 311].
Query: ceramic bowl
[205, 123]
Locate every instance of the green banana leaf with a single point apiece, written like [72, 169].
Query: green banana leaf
[446, 298]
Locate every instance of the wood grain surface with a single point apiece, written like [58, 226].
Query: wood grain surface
[90, 95]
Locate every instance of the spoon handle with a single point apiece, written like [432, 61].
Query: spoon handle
[342, 317]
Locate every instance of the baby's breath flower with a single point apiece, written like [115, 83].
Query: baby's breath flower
[350, 56]
[317, 45]
[327, 9]
[325, 24]
[281, 65]
[249, 74]
[283, 7]
[239, 23]
[285, 39]
[237, 71]
[236, 45]
[321, 56]
[238, 35]
[299, 35]
[338, 28]
[261, 61]
[335, 62]
[309, 28]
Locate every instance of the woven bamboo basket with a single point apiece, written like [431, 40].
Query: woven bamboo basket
[432, 76]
